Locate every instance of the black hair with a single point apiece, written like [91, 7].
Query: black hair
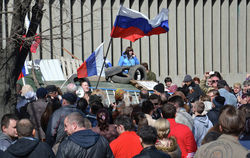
[217, 74]
[167, 79]
[125, 121]
[95, 107]
[144, 95]
[147, 107]
[176, 99]
[154, 96]
[82, 104]
[210, 136]
[148, 135]
[53, 105]
[81, 80]
[6, 119]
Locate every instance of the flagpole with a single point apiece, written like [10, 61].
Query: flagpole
[110, 41]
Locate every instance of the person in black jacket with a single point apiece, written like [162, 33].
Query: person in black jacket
[213, 114]
[82, 142]
[191, 90]
[26, 145]
[148, 135]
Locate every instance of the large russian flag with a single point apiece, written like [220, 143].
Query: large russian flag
[93, 65]
[132, 25]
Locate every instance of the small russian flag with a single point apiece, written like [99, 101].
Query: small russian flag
[24, 72]
[93, 65]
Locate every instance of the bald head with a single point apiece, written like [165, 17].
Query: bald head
[24, 128]
[77, 118]
[75, 122]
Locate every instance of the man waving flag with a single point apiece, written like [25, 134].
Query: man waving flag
[132, 25]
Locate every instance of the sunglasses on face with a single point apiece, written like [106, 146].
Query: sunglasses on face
[214, 81]
[156, 103]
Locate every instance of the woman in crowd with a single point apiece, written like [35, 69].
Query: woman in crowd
[165, 144]
[103, 127]
[128, 58]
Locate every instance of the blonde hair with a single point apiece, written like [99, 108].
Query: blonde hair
[25, 89]
[99, 92]
[163, 128]
[237, 85]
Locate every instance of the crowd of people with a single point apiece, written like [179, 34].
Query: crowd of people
[201, 118]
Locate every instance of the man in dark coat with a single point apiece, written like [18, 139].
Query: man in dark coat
[213, 114]
[148, 137]
[55, 131]
[191, 90]
[26, 145]
[82, 142]
[36, 109]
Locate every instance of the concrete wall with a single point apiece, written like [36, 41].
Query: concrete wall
[204, 35]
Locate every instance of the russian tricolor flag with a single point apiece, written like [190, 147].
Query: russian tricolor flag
[24, 71]
[93, 65]
[132, 25]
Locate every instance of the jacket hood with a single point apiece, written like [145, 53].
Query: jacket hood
[4, 136]
[84, 138]
[23, 147]
[203, 119]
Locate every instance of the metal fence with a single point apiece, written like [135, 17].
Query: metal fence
[204, 35]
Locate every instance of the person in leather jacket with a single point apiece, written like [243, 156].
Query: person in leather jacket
[82, 142]
[148, 135]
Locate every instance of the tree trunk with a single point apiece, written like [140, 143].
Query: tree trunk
[12, 58]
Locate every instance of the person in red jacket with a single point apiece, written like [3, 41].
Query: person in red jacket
[181, 132]
[128, 143]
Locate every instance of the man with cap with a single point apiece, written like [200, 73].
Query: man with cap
[230, 97]
[36, 109]
[191, 90]
[55, 131]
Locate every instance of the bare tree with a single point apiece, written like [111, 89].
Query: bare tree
[12, 57]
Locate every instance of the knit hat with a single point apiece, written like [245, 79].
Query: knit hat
[187, 78]
[41, 92]
[70, 97]
[159, 88]
[119, 94]
[219, 101]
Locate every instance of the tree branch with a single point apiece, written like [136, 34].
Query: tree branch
[36, 18]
